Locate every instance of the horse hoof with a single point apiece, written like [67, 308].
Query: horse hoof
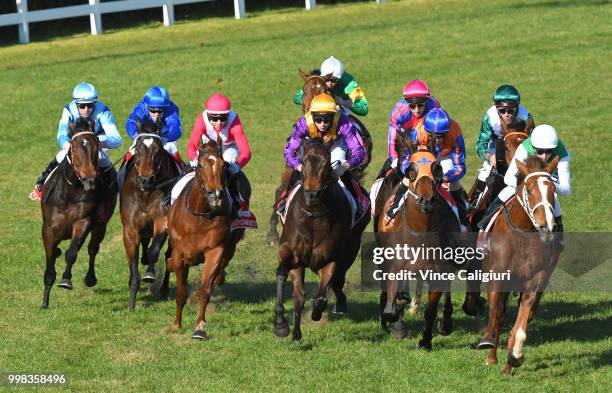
[399, 334]
[490, 362]
[65, 283]
[44, 306]
[148, 277]
[445, 329]
[272, 239]
[297, 336]
[515, 362]
[90, 281]
[281, 329]
[426, 345]
[486, 343]
[318, 306]
[199, 335]
[340, 309]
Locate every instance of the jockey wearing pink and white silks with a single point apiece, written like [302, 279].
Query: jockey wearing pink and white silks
[217, 120]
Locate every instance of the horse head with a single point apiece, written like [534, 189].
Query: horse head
[313, 85]
[514, 135]
[536, 193]
[210, 173]
[425, 174]
[316, 170]
[148, 155]
[83, 153]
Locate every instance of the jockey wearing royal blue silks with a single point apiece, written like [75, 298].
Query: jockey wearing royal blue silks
[449, 152]
[543, 143]
[506, 109]
[84, 104]
[156, 107]
[408, 113]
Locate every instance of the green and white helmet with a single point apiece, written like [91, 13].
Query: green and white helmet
[506, 94]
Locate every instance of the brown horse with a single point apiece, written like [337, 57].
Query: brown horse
[425, 219]
[317, 234]
[521, 242]
[199, 230]
[77, 200]
[314, 85]
[149, 177]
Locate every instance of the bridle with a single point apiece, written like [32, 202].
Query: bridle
[69, 157]
[524, 200]
[158, 163]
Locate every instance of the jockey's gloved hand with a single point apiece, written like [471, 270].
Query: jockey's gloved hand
[193, 163]
[299, 168]
[394, 163]
[340, 167]
[66, 146]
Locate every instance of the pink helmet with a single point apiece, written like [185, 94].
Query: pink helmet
[218, 104]
[416, 88]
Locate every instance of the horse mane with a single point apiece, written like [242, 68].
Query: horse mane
[81, 125]
[533, 164]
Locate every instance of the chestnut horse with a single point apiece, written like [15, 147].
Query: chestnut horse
[199, 230]
[318, 235]
[425, 219]
[314, 85]
[77, 199]
[148, 179]
[521, 242]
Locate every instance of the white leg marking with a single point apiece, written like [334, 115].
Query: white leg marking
[519, 342]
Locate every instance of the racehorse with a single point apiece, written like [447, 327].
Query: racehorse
[521, 242]
[424, 220]
[318, 235]
[77, 199]
[199, 231]
[314, 85]
[149, 177]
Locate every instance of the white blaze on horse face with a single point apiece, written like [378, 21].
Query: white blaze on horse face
[519, 342]
[543, 184]
[148, 142]
[214, 160]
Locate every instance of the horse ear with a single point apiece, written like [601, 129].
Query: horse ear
[71, 127]
[523, 170]
[436, 170]
[302, 74]
[220, 145]
[92, 123]
[552, 165]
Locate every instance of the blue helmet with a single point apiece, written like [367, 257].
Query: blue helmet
[157, 97]
[84, 93]
[437, 121]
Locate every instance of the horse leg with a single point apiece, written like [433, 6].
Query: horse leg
[97, 235]
[159, 238]
[163, 289]
[319, 303]
[518, 334]
[536, 303]
[144, 257]
[212, 268]
[281, 327]
[390, 311]
[416, 300]
[339, 278]
[80, 230]
[51, 253]
[273, 236]
[445, 326]
[297, 278]
[131, 241]
[430, 316]
[182, 272]
[490, 340]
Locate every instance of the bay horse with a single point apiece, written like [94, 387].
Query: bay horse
[521, 242]
[318, 235]
[148, 179]
[314, 85]
[77, 199]
[424, 220]
[199, 231]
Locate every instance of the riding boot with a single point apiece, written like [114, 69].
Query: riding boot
[40, 182]
[478, 189]
[348, 183]
[394, 208]
[461, 206]
[383, 171]
[493, 207]
[559, 241]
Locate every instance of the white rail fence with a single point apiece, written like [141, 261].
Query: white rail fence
[22, 18]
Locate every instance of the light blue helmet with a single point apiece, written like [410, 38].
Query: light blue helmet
[156, 97]
[437, 121]
[84, 92]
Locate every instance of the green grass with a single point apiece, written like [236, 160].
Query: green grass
[557, 53]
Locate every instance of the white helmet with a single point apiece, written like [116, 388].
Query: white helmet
[544, 137]
[332, 66]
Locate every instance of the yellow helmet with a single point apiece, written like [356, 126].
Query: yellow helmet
[323, 103]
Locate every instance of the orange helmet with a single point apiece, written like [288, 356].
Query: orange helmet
[323, 103]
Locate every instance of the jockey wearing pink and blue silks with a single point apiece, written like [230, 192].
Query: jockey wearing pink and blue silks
[406, 115]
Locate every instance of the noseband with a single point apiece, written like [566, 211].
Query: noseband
[524, 200]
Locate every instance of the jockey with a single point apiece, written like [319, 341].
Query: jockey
[449, 152]
[219, 121]
[406, 115]
[544, 144]
[84, 104]
[342, 85]
[337, 131]
[507, 109]
[157, 108]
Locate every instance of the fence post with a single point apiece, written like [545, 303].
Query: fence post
[95, 18]
[311, 4]
[24, 27]
[168, 8]
[239, 9]
[380, 1]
